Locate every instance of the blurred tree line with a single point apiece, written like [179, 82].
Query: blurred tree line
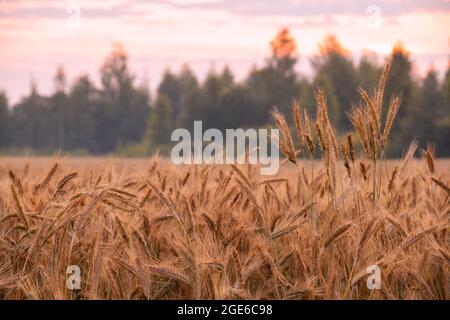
[120, 116]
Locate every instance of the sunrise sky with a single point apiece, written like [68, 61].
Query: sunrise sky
[36, 36]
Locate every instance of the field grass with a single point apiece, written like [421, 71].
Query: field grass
[147, 229]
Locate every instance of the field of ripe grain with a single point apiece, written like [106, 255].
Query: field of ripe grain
[147, 229]
[150, 230]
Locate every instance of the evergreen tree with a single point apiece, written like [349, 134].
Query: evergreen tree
[79, 116]
[400, 82]
[121, 111]
[58, 104]
[159, 123]
[211, 89]
[236, 108]
[368, 71]
[442, 123]
[334, 66]
[171, 87]
[4, 120]
[276, 84]
[191, 101]
[429, 111]
[226, 78]
[32, 123]
[446, 88]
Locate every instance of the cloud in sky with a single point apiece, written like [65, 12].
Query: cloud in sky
[102, 8]
[34, 37]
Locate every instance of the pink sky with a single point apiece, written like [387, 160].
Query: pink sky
[36, 36]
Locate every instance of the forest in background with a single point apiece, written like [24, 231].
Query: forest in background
[122, 117]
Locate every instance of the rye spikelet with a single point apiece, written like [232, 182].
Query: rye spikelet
[298, 122]
[322, 144]
[282, 231]
[48, 178]
[65, 180]
[397, 225]
[121, 229]
[392, 112]
[441, 184]
[363, 170]
[410, 240]
[345, 157]
[16, 182]
[351, 148]
[336, 234]
[356, 116]
[373, 112]
[381, 86]
[392, 179]
[286, 143]
[365, 236]
[428, 154]
[169, 272]
[19, 212]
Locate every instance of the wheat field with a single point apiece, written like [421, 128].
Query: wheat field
[148, 229]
